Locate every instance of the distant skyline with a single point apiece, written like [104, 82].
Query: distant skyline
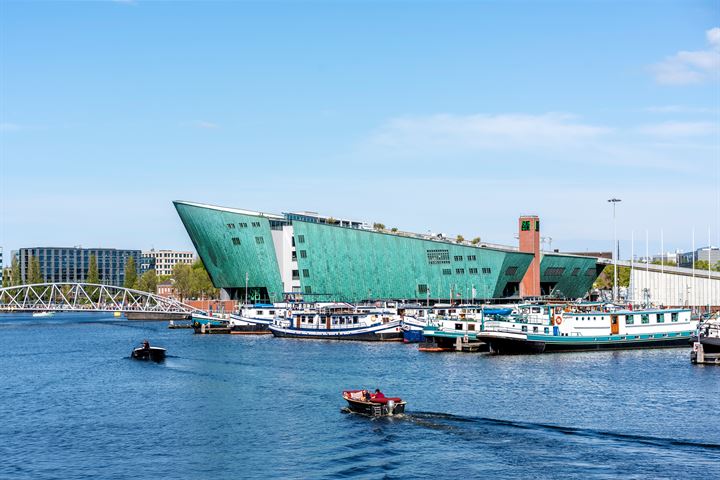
[452, 117]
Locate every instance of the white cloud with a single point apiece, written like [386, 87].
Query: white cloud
[482, 132]
[688, 67]
[680, 129]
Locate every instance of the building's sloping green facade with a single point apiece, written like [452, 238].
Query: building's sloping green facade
[351, 264]
[567, 276]
[229, 252]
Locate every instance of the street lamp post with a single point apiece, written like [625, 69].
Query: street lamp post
[614, 201]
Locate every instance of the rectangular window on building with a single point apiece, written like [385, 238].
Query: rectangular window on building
[458, 258]
[231, 225]
[293, 257]
[486, 270]
[473, 271]
[308, 289]
[236, 241]
[296, 274]
[422, 289]
[590, 272]
[537, 225]
[460, 271]
[259, 240]
[575, 271]
[525, 226]
[306, 272]
[554, 271]
[303, 253]
[436, 257]
[471, 258]
[447, 271]
[301, 238]
[511, 271]
[255, 224]
[243, 225]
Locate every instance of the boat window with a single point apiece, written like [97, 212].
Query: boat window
[471, 326]
[535, 329]
[645, 318]
[458, 326]
[271, 312]
[547, 330]
[524, 328]
[629, 319]
[259, 312]
[660, 318]
[674, 317]
[536, 310]
[355, 320]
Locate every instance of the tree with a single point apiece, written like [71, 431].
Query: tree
[182, 273]
[7, 277]
[15, 267]
[131, 277]
[378, 226]
[92, 276]
[475, 240]
[201, 284]
[606, 279]
[459, 238]
[148, 282]
[33, 273]
[394, 229]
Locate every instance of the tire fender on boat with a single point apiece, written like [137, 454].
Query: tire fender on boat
[558, 320]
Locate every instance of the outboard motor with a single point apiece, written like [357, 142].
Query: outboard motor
[390, 407]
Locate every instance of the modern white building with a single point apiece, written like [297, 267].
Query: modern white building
[165, 260]
[674, 286]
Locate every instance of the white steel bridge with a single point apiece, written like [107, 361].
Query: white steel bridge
[87, 297]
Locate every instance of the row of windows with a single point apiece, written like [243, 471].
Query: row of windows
[243, 225]
[236, 241]
[436, 257]
[461, 271]
[645, 318]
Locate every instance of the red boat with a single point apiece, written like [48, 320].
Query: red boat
[361, 401]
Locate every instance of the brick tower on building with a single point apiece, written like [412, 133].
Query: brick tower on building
[529, 235]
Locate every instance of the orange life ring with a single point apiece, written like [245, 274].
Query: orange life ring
[558, 320]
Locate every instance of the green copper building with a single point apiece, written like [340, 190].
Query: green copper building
[340, 260]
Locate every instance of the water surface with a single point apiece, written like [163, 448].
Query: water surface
[73, 405]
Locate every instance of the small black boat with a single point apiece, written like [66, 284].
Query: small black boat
[146, 352]
[360, 401]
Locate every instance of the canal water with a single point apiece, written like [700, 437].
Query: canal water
[73, 405]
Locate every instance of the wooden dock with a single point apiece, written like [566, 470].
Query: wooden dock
[699, 357]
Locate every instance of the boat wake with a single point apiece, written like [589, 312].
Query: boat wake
[446, 421]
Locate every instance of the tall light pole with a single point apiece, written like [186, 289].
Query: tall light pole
[614, 201]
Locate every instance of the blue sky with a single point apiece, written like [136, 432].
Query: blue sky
[454, 117]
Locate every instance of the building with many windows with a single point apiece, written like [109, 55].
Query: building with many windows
[165, 260]
[700, 255]
[72, 264]
[273, 256]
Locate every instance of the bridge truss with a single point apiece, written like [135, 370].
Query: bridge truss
[84, 297]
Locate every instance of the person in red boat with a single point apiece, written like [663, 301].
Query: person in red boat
[377, 394]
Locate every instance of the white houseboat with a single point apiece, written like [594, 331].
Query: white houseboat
[554, 328]
[339, 321]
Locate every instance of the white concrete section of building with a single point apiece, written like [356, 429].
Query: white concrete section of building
[165, 260]
[674, 286]
[287, 258]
